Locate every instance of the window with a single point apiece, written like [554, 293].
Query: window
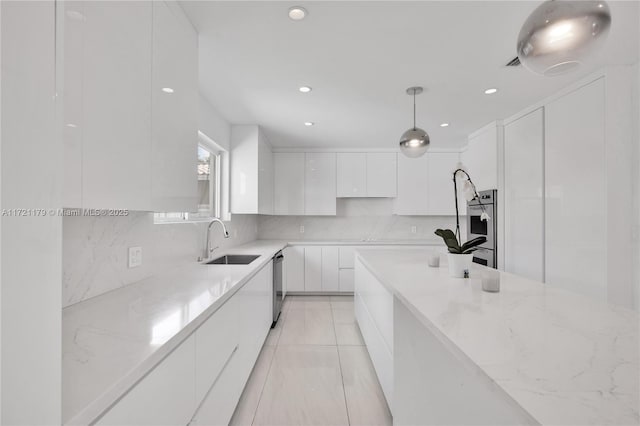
[208, 169]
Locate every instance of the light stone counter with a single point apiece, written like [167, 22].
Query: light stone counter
[563, 357]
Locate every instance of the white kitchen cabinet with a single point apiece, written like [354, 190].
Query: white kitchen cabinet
[127, 143]
[575, 178]
[288, 183]
[413, 176]
[174, 106]
[252, 172]
[367, 174]
[481, 156]
[313, 268]
[425, 185]
[347, 256]
[320, 184]
[347, 280]
[351, 174]
[382, 174]
[330, 269]
[294, 268]
[166, 396]
[116, 103]
[373, 305]
[216, 341]
[523, 195]
[441, 200]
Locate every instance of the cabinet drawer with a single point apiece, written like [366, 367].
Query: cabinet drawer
[166, 396]
[347, 279]
[215, 340]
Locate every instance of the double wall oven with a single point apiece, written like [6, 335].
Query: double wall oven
[487, 253]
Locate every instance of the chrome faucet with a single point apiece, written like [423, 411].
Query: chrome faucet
[207, 244]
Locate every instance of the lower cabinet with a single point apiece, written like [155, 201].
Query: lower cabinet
[201, 381]
[166, 396]
[373, 305]
[317, 269]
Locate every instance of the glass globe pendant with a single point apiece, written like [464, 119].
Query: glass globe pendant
[559, 34]
[415, 141]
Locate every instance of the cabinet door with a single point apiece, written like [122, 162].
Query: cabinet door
[412, 186]
[73, 30]
[313, 268]
[347, 280]
[116, 122]
[320, 184]
[288, 183]
[166, 396]
[523, 207]
[481, 157]
[440, 167]
[294, 267]
[382, 173]
[351, 175]
[174, 104]
[265, 176]
[575, 170]
[347, 256]
[330, 278]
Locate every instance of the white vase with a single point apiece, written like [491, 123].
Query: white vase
[459, 263]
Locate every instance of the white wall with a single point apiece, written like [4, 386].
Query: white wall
[31, 245]
[95, 249]
[357, 219]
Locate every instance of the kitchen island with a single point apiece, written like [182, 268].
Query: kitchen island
[448, 353]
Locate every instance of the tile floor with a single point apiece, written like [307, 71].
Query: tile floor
[313, 370]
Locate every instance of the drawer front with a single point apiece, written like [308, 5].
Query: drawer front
[347, 279]
[378, 301]
[380, 355]
[166, 396]
[215, 340]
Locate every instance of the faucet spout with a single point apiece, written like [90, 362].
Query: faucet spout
[207, 243]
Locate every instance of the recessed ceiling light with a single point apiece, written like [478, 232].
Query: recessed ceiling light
[490, 91]
[73, 126]
[167, 90]
[444, 125]
[297, 13]
[309, 123]
[305, 89]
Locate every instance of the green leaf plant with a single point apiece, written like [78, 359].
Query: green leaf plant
[451, 241]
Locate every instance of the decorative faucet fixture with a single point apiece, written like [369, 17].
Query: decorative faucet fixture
[207, 243]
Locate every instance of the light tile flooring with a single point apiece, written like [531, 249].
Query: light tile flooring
[313, 370]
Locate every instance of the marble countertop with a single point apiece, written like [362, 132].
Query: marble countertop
[563, 357]
[366, 242]
[111, 341]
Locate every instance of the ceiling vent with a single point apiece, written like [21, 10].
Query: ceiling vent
[515, 62]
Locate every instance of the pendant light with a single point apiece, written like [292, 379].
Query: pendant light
[559, 34]
[415, 141]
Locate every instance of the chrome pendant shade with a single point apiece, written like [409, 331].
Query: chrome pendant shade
[559, 34]
[415, 141]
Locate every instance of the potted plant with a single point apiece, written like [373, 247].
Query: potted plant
[460, 257]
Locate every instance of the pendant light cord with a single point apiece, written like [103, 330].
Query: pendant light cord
[414, 109]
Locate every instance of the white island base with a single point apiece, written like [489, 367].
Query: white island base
[447, 353]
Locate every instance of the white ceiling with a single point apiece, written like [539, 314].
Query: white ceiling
[359, 57]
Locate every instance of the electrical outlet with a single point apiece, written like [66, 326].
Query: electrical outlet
[135, 256]
[414, 229]
[302, 229]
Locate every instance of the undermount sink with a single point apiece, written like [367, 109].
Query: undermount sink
[234, 259]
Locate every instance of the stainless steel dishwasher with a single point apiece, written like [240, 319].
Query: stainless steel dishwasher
[277, 286]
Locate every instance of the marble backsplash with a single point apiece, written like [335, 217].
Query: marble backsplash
[95, 249]
[357, 219]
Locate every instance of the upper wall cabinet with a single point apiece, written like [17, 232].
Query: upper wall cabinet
[320, 184]
[425, 185]
[288, 180]
[366, 175]
[174, 110]
[120, 135]
[481, 156]
[252, 173]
